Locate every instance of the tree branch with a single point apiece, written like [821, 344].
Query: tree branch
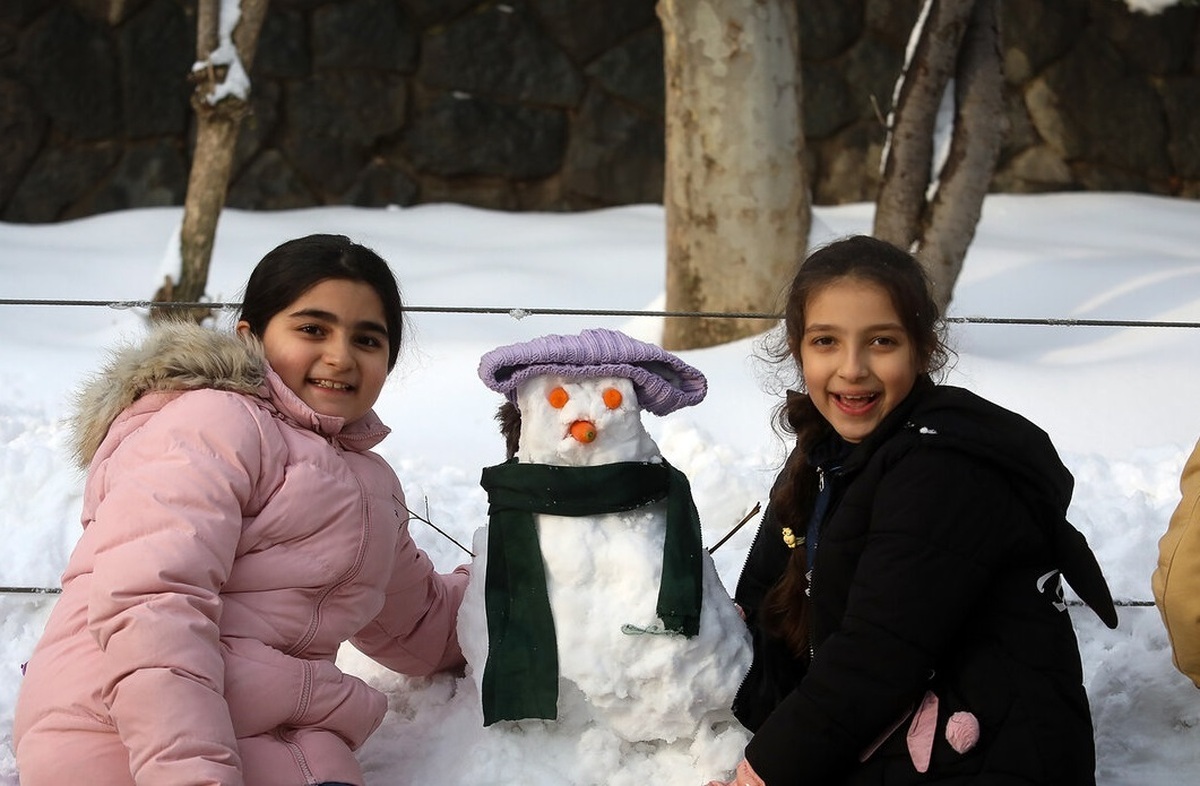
[978, 133]
[909, 153]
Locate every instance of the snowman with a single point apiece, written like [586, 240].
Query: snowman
[593, 608]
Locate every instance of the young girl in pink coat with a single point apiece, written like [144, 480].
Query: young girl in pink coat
[237, 529]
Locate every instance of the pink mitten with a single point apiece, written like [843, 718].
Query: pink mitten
[921, 732]
[962, 731]
[744, 776]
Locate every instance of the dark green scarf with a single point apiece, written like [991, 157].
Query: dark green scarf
[520, 679]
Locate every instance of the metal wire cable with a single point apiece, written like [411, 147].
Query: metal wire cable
[522, 312]
[58, 591]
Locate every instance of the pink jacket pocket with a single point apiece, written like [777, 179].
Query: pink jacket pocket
[266, 689]
[922, 731]
[342, 704]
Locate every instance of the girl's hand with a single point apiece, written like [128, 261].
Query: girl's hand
[743, 776]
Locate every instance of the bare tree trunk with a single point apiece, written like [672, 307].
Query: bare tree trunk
[218, 123]
[934, 214]
[908, 157]
[736, 194]
[974, 149]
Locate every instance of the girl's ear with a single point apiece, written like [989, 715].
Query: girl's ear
[243, 328]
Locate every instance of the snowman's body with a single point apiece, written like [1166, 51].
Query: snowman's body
[619, 669]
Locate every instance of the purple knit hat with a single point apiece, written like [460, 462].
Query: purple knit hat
[663, 382]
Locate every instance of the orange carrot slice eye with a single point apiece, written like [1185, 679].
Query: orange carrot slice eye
[558, 398]
[583, 431]
[612, 398]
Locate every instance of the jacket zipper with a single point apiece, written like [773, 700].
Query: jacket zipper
[296, 751]
[812, 650]
[824, 477]
[301, 761]
[359, 558]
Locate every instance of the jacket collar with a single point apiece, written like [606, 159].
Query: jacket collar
[833, 449]
[956, 419]
[362, 434]
[179, 356]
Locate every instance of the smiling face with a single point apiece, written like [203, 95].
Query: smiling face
[858, 362]
[330, 347]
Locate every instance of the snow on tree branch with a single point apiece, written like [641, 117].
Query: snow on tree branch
[1154, 6]
[224, 57]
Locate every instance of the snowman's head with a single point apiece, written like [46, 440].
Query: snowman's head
[584, 395]
[576, 422]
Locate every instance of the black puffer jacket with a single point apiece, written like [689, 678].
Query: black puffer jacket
[935, 571]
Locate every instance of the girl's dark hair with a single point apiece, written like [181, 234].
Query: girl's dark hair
[292, 268]
[862, 258]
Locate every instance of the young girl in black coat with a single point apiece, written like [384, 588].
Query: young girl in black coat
[904, 588]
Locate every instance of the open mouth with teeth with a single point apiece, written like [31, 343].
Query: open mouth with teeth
[855, 404]
[329, 384]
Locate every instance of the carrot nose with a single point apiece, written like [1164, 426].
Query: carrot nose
[584, 431]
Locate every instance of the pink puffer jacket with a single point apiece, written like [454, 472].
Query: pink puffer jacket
[233, 539]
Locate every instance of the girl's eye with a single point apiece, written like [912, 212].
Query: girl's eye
[370, 341]
[558, 398]
[822, 341]
[312, 330]
[612, 398]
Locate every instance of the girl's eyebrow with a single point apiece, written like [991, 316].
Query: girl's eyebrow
[368, 325]
[867, 329]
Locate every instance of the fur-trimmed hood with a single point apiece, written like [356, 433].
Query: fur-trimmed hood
[173, 356]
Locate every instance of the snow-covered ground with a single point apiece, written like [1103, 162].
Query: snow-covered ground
[1118, 401]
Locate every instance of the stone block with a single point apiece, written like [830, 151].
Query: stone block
[462, 135]
[156, 51]
[499, 53]
[58, 178]
[615, 155]
[70, 62]
[22, 126]
[633, 70]
[363, 34]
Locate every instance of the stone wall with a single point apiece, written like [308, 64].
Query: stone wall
[543, 104]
